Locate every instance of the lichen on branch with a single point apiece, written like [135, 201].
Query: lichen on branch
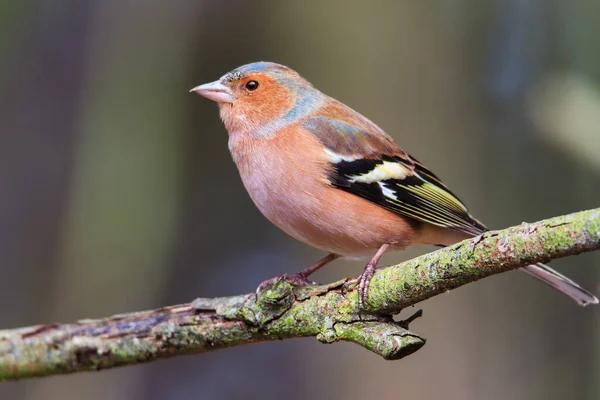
[280, 311]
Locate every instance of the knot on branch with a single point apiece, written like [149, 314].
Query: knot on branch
[270, 303]
[329, 312]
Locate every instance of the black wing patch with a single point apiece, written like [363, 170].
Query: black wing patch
[406, 187]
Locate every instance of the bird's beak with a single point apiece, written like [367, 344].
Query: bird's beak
[214, 91]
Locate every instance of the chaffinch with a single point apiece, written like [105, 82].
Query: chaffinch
[331, 178]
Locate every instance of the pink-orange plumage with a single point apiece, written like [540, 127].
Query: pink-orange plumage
[331, 178]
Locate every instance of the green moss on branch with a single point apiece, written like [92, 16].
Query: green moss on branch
[280, 311]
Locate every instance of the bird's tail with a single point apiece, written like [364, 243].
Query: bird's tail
[561, 283]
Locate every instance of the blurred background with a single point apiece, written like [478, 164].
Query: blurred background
[117, 191]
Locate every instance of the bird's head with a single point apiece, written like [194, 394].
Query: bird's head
[260, 97]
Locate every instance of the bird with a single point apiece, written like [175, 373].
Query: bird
[331, 178]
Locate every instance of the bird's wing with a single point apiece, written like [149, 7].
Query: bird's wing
[366, 162]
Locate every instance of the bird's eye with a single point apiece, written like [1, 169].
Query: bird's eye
[252, 85]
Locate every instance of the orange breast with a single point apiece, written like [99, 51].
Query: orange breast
[287, 177]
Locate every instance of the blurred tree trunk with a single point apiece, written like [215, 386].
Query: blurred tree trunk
[36, 149]
[124, 200]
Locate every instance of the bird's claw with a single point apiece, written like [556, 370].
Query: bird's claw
[349, 284]
[363, 286]
[362, 282]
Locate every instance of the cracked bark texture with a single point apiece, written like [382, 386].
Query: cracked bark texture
[281, 311]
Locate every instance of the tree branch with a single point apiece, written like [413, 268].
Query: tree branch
[281, 311]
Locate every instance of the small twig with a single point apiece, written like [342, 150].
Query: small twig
[405, 322]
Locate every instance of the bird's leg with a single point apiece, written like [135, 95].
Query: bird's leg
[365, 278]
[306, 272]
[300, 278]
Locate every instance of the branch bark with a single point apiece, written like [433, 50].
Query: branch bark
[281, 311]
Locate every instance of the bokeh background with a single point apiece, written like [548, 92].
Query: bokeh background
[117, 192]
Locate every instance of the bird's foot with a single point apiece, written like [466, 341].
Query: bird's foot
[364, 279]
[362, 282]
[363, 285]
[299, 278]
